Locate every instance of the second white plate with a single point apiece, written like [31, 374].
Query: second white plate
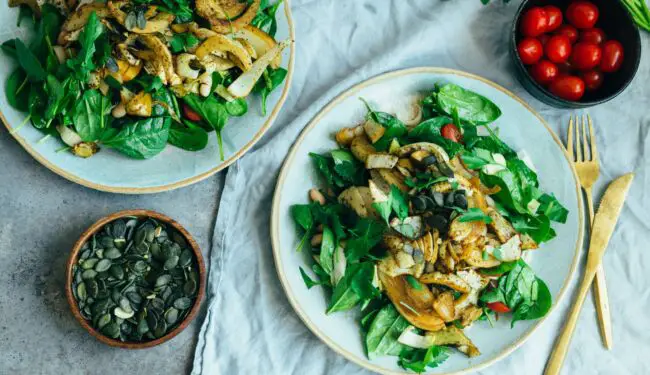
[519, 126]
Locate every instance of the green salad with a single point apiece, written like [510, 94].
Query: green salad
[136, 75]
[425, 226]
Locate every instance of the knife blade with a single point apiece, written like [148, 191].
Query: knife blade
[606, 218]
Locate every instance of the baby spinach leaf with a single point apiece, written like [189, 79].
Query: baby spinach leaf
[309, 282]
[271, 79]
[36, 102]
[190, 139]
[474, 214]
[394, 128]
[56, 93]
[180, 42]
[17, 89]
[302, 216]
[524, 174]
[429, 131]
[524, 293]
[354, 287]
[142, 139]
[9, 47]
[423, 181]
[429, 128]
[82, 63]
[212, 111]
[348, 167]
[237, 107]
[470, 105]
[510, 194]
[476, 158]
[384, 331]
[91, 115]
[29, 62]
[397, 201]
[552, 208]
[327, 247]
[366, 234]
[265, 18]
[418, 360]
[499, 270]
[413, 282]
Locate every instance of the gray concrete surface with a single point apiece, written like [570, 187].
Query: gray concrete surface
[41, 216]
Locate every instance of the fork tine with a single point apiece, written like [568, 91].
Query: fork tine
[585, 144]
[592, 136]
[569, 138]
[578, 145]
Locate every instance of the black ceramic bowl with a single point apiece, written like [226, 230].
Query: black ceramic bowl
[617, 24]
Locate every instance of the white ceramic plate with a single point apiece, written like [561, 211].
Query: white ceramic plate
[519, 126]
[172, 168]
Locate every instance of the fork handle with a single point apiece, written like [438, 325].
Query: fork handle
[600, 289]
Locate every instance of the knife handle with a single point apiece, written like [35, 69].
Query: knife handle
[554, 364]
[601, 299]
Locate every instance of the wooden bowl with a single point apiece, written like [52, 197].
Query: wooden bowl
[97, 227]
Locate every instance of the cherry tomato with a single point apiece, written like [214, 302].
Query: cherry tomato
[530, 50]
[593, 35]
[582, 14]
[544, 72]
[568, 87]
[593, 79]
[543, 38]
[612, 56]
[534, 22]
[568, 30]
[586, 56]
[191, 114]
[558, 48]
[499, 307]
[554, 15]
[451, 132]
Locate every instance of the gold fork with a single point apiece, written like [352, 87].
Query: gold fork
[588, 169]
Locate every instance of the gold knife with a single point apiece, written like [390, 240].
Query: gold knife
[603, 227]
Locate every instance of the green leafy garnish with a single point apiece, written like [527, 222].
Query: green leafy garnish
[397, 202]
[355, 286]
[524, 293]
[418, 360]
[474, 214]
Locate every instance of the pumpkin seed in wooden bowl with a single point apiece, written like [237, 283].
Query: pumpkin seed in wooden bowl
[135, 279]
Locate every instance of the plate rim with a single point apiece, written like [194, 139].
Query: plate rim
[275, 218]
[268, 122]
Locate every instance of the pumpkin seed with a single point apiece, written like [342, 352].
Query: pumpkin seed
[143, 327]
[103, 265]
[103, 321]
[117, 271]
[112, 330]
[89, 263]
[162, 280]
[185, 258]
[112, 253]
[182, 303]
[81, 291]
[89, 274]
[120, 313]
[92, 288]
[171, 315]
[171, 263]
